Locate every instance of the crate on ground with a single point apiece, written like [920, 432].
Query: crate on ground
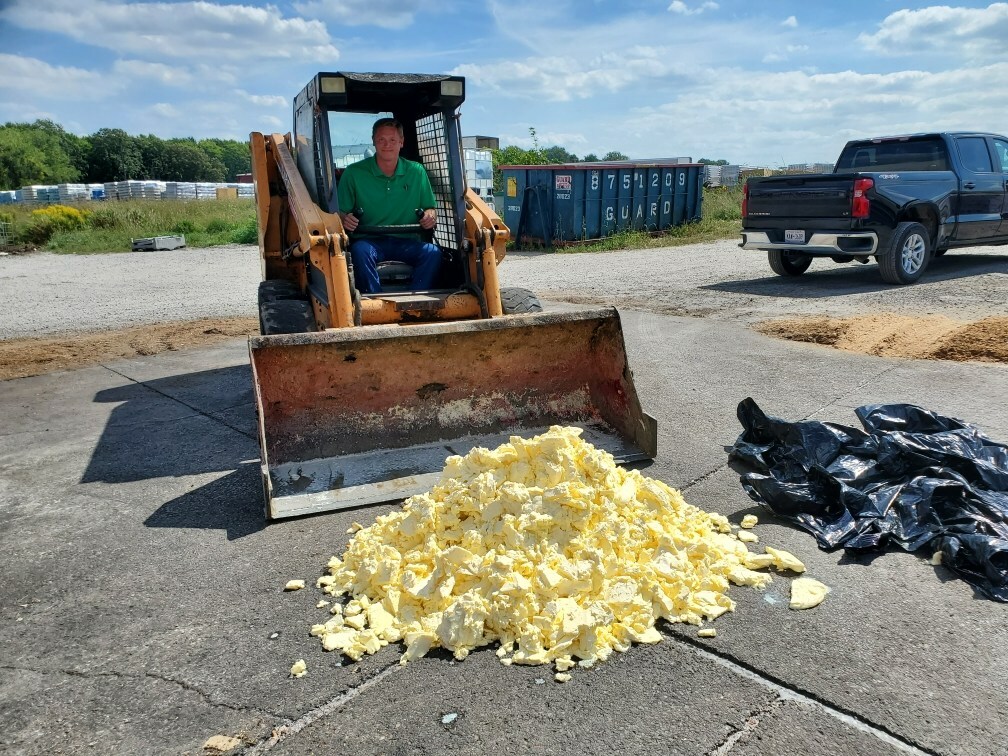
[158, 242]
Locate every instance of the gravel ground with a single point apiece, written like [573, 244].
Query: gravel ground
[45, 293]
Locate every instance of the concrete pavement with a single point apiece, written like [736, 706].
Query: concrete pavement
[142, 608]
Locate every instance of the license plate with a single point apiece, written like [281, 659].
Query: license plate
[794, 236]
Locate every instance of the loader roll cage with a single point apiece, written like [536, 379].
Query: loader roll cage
[333, 116]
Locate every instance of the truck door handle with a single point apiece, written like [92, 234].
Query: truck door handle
[969, 185]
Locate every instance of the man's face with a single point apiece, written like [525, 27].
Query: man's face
[387, 142]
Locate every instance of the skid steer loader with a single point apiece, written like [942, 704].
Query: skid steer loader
[361, 397]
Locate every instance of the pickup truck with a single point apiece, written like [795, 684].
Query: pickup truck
[900, 200]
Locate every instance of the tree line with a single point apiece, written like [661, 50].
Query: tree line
[554, 155]
[43, 152]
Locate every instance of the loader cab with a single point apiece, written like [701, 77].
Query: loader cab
[333, 117]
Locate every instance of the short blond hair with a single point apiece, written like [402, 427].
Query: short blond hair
[381, 123]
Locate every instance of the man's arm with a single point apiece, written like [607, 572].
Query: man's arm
[346, 201]
[427, 202]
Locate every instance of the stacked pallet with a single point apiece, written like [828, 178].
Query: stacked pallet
[39, 194]
[72, 192]
[123, 190]
[133, 189]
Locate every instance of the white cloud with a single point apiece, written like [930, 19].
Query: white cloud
[678, 6]
[159, 73]
[781, 54]
[190, 30]
[565, 78]
[387, 14]
[790, 21]
[571, 140]
[807, 117]
[978, 33]
[36, 78]
[164, 110]
[266, 101]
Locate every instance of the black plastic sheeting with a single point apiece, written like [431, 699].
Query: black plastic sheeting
[911, 478]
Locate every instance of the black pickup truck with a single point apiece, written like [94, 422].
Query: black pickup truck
[898, 199]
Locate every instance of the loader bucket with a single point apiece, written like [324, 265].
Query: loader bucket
[357, 416]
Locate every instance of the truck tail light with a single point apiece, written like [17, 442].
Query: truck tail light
[860, 204]
[745, 200]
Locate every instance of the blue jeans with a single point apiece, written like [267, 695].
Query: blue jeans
[367, 253]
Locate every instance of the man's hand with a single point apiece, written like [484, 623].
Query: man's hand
[429, 219]
[349, 221]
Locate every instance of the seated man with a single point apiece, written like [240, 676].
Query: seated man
[388, 189]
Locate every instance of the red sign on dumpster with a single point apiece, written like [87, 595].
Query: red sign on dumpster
[563, 183]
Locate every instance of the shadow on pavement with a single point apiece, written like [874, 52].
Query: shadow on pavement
[186, 425]
[232, 504]
[854, 278]
[161, 429]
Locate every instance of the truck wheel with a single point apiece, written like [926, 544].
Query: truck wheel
[787, 263]
[286, 316]
[517, 301]
[908, 254]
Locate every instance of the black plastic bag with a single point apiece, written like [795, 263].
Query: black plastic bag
[911, 478]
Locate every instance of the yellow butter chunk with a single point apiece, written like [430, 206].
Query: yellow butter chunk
[749, 521]
[707, 632]
[299, 669]
[294, 585]
[785, 560]
[747, 537]
[543, 546]
[806, 593]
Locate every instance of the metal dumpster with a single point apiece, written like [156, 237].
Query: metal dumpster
[558, 204]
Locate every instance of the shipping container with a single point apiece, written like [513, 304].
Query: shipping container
[574, 202]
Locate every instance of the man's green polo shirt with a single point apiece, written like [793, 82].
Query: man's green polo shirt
[386, 200]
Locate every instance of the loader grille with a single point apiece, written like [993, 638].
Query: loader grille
[432, 145]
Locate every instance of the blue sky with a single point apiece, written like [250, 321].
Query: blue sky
[766, 83]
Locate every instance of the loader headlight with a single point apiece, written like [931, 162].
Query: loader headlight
[333, 85]
[451, 88]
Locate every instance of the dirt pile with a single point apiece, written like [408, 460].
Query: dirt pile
[931, 337]
[20, 358]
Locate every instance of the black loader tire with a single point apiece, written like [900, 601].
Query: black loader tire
[784, 262]
[278, 288]
[908, 255]
[286, 316]
[518, 301]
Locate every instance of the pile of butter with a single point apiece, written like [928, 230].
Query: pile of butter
[542, 545]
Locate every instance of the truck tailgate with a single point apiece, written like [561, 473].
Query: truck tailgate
[803, 196]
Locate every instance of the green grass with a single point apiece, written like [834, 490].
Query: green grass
[111, 226]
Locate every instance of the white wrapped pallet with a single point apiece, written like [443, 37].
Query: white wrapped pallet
[180, 190]
[39, 194]
[72, 192]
